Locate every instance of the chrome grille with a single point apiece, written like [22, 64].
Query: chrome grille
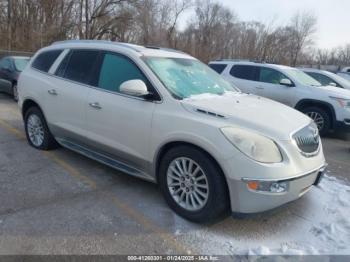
[308, 139]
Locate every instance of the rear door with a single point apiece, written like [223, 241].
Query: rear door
[270, 87]
[67, 96]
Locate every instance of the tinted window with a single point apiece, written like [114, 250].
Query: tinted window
[115, 70]
[44, 61]
[272, 76]
[219, 68]
[6, 63]
[80, 65]
[244, 72]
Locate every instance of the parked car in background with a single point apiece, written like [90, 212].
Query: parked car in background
[164, 116]
[346, 69]
[10, 68]
[327, 78]
[328, 106]
[344, 75]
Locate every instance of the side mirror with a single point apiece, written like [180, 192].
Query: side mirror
[286, 82]
[333, 84]
[134, 88]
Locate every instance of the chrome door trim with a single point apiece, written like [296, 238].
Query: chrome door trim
[106, 160]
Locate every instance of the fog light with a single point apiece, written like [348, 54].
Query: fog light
[278, 187]
[267, 186]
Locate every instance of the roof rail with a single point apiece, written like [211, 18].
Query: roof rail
[239, 60]
[127, 45]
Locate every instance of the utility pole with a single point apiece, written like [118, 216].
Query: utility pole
[9, 23]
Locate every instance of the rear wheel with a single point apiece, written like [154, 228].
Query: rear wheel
[193, 185]
[37, 131]
[320, 117]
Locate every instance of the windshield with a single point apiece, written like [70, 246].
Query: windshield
[20, 63]
[302, 78]
[188, 77]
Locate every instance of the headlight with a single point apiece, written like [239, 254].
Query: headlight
[257, 147]
[343, 102]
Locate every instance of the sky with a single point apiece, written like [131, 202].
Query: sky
[333, 25]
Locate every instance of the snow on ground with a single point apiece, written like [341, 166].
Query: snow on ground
[318, 223]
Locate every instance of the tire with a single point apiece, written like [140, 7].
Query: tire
[319, 115]
[34, 118]
[15, 92]
[214, 206]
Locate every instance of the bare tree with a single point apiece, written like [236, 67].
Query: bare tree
[301, 29]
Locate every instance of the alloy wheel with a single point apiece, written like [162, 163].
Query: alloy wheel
[318, 119]
[187, 184]
[35, 130]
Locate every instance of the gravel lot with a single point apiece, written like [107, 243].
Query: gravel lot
[59, 202]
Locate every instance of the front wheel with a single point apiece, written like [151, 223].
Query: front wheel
[320, 117]
[193, 185]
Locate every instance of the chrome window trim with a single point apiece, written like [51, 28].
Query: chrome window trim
[101, 89]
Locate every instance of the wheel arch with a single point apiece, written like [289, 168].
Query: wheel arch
[28, 103]
[304, 103]
[172, 144]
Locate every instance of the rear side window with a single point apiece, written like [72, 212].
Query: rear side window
[246, 72]
[219, 68]
[44, 61]
[78, 65]
[117, 69]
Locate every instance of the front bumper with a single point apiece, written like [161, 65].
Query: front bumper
[248, 201]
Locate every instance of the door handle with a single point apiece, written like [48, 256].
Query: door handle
[52, 92]
[259, 87]
[95, 105]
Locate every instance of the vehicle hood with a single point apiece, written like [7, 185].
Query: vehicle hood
[259, 114]
[335, 91]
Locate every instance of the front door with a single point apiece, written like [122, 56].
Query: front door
[119, 125]
[270, 87]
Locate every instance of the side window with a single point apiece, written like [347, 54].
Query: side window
[219, 68]
[269, 75]
[115, 70]
[246, 72]
[324, 80]
[80, 66]
[44, 61]
[6, 63]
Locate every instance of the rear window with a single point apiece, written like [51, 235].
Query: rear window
[219, 68]
[246, 72]
[44, 61]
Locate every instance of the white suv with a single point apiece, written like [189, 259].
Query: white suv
[328, 106]
[163, 116]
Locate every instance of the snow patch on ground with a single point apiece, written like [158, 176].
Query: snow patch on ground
[318, 223]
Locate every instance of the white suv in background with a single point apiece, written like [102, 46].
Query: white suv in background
[165, 117]
[328, 106]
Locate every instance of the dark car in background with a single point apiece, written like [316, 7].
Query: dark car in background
[10, 68]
